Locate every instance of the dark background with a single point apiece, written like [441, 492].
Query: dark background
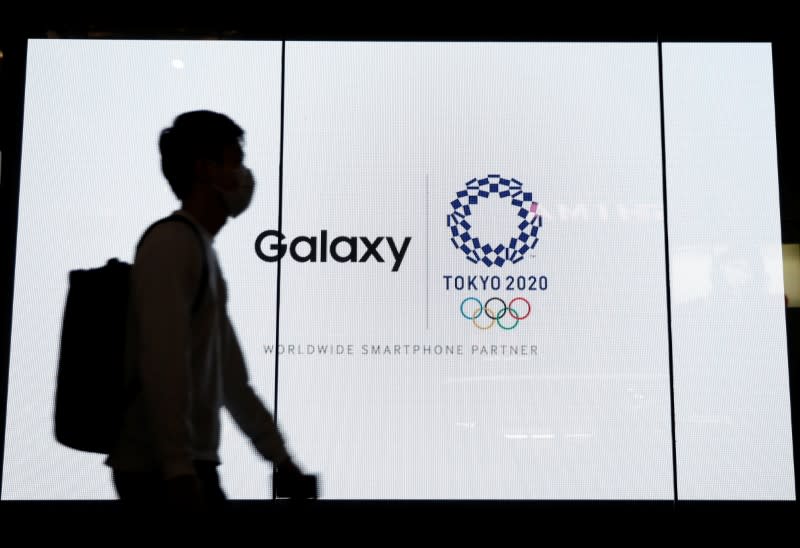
[532, 521]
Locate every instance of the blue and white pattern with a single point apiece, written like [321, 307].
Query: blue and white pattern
[485, 252]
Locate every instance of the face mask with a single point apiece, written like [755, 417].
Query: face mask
[238, 198]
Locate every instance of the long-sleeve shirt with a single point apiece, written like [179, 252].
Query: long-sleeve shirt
[188, 365]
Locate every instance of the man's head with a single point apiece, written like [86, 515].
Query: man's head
[202, 154]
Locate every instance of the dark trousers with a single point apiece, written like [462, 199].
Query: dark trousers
[147, 489]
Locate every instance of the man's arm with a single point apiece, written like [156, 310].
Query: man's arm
[245, 406]
[164, 279]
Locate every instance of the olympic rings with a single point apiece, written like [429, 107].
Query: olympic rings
[509, 327]
[477, 312]
[502, 310]
[494, 318]
[491, 323]
[516, 317]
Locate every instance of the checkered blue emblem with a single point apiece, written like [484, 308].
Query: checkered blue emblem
[485, 252]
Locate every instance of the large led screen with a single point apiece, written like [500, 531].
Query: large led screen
[476, 270]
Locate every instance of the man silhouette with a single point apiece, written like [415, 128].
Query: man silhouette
[183, 355]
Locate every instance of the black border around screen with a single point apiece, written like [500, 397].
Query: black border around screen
[784, 51]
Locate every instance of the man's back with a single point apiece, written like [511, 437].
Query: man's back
[175, 352]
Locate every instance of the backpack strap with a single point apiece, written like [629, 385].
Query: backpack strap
[204, 276]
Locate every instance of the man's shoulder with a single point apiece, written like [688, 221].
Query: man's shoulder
[170, 235]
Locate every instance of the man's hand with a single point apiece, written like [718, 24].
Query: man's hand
[288, 468]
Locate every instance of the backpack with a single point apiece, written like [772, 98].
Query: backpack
[91, 393]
